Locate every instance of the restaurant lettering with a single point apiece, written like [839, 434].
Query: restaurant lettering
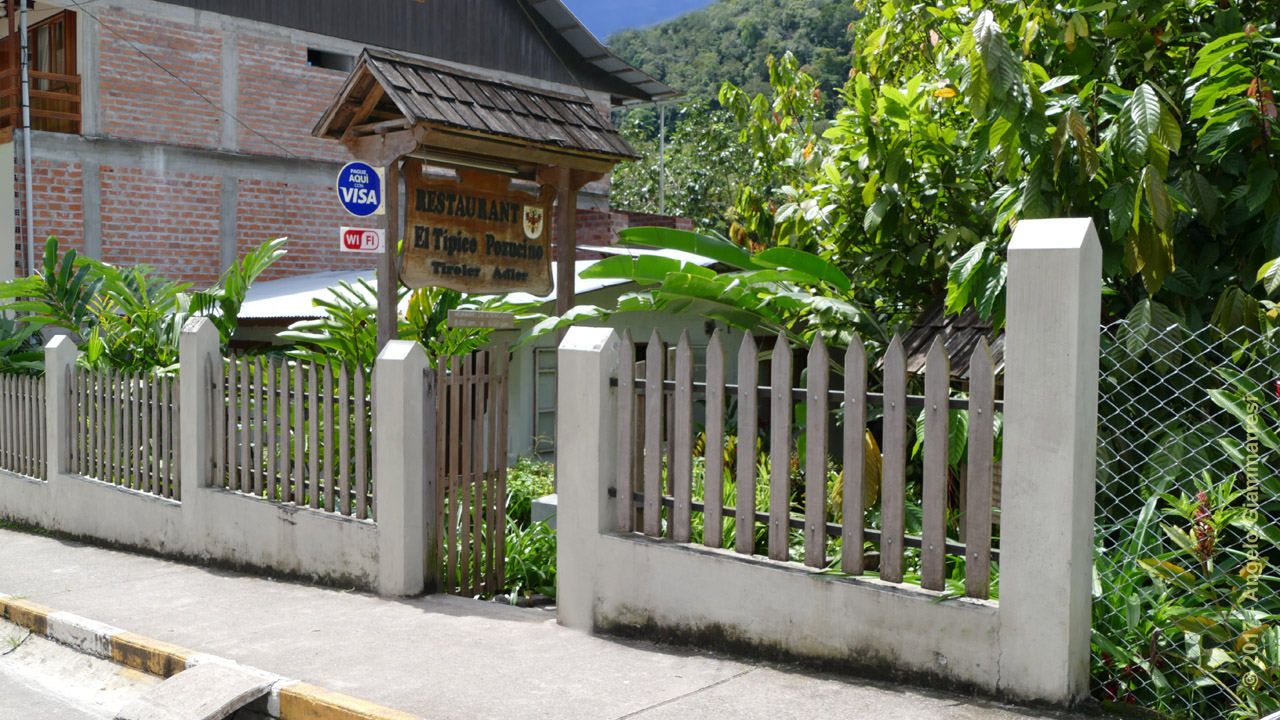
[475, 235]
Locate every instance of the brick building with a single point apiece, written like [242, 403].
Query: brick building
[178, 134]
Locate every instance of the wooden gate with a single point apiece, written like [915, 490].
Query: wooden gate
[471, 467]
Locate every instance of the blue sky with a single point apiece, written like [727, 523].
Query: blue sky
[605, 16]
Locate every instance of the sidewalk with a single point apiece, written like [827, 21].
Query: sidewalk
[440, 656]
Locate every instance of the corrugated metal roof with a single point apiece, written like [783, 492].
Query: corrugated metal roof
[593, 51]
[291, 298]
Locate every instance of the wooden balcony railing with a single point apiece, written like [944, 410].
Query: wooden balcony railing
[55, 101]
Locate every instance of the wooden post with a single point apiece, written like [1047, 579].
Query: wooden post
[566, 243]
[388, 272]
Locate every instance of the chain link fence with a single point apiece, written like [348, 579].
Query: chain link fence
[1187, 537]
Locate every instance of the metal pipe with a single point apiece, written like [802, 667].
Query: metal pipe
[662, 159]
[26, 142]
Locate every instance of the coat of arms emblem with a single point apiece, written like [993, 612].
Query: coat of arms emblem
[533, 217]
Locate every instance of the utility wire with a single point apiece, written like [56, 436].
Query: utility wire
[186, 84]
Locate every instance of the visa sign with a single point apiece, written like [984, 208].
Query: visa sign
[360, 189]
[362, 240]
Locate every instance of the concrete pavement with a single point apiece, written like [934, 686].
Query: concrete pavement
[439, 656]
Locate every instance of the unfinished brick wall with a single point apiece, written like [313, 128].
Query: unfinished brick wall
[601, 228]
[142, 102]
[309, 214]
[169, 221]
[57, 207]
[282, 98]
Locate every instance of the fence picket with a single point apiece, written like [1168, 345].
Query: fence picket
[477, 472]
[313, 444]
[362, 447]
[152, 422]
[494, 503]
[24, 426]
[330, 487]
[500, 551]
[713, 446]
[175, 442]
[893, 469]
[256, 449]
[681, 464]
[744, 526]
[780, 450]
[344, 431]
[815, 472]
[455, 516]
[626, 420]
[443, 511]
[852, 511]
[977, 576]
[464, 474]
[297, 401]
[117, 428]
[136, 479]
[96, 430]
[654, 357]
[937, 393]
[272, 481]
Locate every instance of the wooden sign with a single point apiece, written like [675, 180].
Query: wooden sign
[474, 234]
[481, 319]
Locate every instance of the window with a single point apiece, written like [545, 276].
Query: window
[55, 86]
[544, 400]
[330, 60]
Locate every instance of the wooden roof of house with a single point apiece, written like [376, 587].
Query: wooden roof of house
[390, 91]
[960, 335]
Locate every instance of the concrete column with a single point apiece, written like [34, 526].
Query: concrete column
[400, 469]
[90, 96]
[229, 129]
[9, 234]
[586, 434]
[228, 217]
[91, 199]
[59, 358]
[1050, 432]
[198, 354]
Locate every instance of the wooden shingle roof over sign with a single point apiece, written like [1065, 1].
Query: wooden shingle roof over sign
[960, 335]
[471, 114]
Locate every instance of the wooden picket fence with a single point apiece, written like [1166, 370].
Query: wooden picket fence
[22, 425]
[655, 452]
[295, 432]
[124, 429]
[471, 471]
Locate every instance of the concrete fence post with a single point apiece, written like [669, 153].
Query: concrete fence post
[586, 467]
[59, 360]
[401, 474]
[1050, 456]
[199, 356]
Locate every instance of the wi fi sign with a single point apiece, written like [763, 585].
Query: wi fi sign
[360, 189]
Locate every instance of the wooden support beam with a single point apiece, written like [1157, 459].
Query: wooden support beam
[566, 243]
[388, 267]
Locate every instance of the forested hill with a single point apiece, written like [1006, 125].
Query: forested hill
[732, 39]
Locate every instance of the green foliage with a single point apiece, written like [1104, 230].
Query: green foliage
[59, 294]
[20, 351]
[531, 547]
[527, 480]
[773, 290]
[348, 332]
[124, 317]
[733, 39]
[702, 165]
[221, 303]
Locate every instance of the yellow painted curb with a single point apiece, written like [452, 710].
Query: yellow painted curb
[150, 656]
[33, 616]
[301, 701]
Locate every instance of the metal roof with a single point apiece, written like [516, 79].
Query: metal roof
[564, 22]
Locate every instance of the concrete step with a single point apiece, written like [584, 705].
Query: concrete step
[210, 691]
